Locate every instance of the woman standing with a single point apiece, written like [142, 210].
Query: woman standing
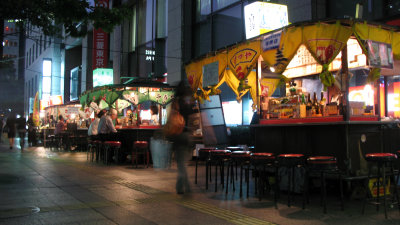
[12, 130]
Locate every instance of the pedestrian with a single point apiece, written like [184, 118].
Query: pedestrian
[12, 130]
[1, 129]
[21, 128]
[183, 103]
[31, 131]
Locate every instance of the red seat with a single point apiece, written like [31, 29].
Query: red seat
[141, 144]
[381, 157]
[322, 160]
[290, 155]
[113, 143]
[262, 155]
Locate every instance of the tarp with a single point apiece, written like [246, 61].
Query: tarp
[324, 40]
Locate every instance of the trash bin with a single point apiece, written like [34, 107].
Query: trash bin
[161, 151]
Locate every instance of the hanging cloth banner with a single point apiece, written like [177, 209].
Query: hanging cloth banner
[232, 81]
[242, 58]
[325, 41]
[279, 58]
[373, 33]
[268, 86]
[36, 119]
[194, 74]
[253, 87]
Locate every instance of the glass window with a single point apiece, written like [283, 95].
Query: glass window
[40, 43]
[219, 4]
[227, 27]
[232, 112]
[202, 38]
[203, 9]
[145, 24]
[74, 84]
[162, 18]
[46, 85]
[133, 29]
[362, 95]
[37, 50]
[146, 60]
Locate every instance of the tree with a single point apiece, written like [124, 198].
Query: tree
[50, 14]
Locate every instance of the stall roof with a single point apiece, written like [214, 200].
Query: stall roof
[235, 64]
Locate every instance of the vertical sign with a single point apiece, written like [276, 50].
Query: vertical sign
[100, 42]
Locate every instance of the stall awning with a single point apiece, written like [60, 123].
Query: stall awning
[324, 40]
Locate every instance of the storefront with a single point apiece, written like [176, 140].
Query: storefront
[317, 87]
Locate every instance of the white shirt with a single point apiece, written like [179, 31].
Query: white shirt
[106, 125]
[93, 128]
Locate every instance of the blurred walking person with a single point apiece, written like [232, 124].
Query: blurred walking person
[1, 129]
[182, 108]
[31, 131]
[21, 128]
[11, 126]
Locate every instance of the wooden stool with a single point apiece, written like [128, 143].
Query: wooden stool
[291, 161]
[323, 165]
[111, 148]
[140, 147]
[382, 160]
[262, 162]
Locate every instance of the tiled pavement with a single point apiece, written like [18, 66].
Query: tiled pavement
[38, 186]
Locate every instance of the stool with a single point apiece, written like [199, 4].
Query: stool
[382, 160]
[98, 148]
[243, 159]
[291, 161]
[50, 142]
[218, 158]
[234, 149]
[323, 165]
[140, 147]
[111, 148]
[203, 155]
[91, 148]
[261, 162]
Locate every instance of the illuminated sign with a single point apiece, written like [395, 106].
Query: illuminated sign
[150, 55]
[261, 17]
[56, 100]
[304, 64]
[44, 104]
[393, 99]
[100, 42]
[362, 94]
[271, 41]
[102, 77]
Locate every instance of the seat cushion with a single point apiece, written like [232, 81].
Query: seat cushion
[380, 157]
[113, 143]
[140, 144]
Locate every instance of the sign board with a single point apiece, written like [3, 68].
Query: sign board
[102, 77]
[210, 74]
[271, 41]
[100, 42]
[380, 54]
[56, 100]
[261, 17]
[373, 187]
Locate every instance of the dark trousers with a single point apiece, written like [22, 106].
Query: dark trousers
[181, 147]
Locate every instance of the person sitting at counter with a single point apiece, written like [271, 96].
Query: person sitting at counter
[60, 126]
[93, 128]
[106, 129]
[154, 115]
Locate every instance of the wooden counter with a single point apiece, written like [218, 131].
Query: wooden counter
[328, 137]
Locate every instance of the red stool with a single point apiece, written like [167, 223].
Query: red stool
[111, 148]
[203, 155]
[323, 165]
[291, 161]
[382, 160]
[241, 158]
[140, 148]
[218, 158]
[263, 163]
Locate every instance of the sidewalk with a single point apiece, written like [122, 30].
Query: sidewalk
[43, 187]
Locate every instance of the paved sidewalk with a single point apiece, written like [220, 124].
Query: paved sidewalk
[43, 187]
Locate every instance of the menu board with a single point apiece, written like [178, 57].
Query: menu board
[210, 74]
[380, 54]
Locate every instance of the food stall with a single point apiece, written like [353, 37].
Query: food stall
[141, 107]
[319, 88]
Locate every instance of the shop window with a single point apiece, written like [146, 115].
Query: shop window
[232, 113]
[219, 4]
[362, 95]
[133, 29]
[162, 19]
[145, 24]
[74, 84]
[202, 38]
[203, 9]
[227, 27]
